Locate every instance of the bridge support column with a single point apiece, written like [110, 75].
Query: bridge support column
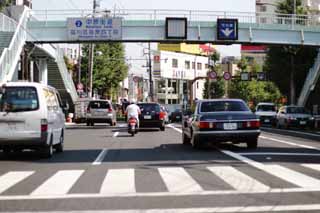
[43, 71]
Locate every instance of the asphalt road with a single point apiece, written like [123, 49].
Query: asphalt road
[103, 169]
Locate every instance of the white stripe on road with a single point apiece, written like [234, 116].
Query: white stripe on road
[119, 181]
[301, 133]
[237, 179]
[286, 174]
[270, 208]
[178, 180]
[11, 178]
[175, 128]
[312, 166]
[290, 143]
[100, 157]
[279, 153]
[59, 184]
[115, 134]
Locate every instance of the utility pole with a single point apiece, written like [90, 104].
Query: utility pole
[150, 73]
[91, 56]
[79, 64]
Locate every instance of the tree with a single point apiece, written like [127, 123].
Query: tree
[255, 67]
[109, 67]
[4, 3]
[214, 88]
[242, 64]
[215, 57]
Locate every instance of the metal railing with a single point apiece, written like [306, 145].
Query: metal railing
[156, 16]
[7, 24]
[66, 76]
[10, 56]
[311, 79]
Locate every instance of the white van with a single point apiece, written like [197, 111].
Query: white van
[31, 117]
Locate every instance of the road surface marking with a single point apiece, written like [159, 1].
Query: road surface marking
[115, 134]
[312, 166]
[122, 125]
[286, 174]
[290, 143]
[119, 181]
[178, 180]
[279, 153]
[302, 133]
[237, 179]
[100, 157]
[59, 184]
[222, 209]
[11, 178]
[175, 128]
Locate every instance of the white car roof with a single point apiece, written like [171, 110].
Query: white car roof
[265, 103]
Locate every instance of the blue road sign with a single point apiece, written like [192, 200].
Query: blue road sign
[227, 29]
[78, 23]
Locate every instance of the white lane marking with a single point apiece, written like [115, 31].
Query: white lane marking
[59, 184]
[237, 179]
[175, 128]
[115, 134]
[269, 208]
[312, 166]
[178, 180]
[100, 157]
[286, 174]
[302, 133]
[279, 153]
[290, 143]
[11, 178]
[119, 181]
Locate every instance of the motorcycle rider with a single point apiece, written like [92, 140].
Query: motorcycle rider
[133, 111]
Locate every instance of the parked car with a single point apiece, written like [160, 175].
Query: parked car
[151, 116]
[294, 116]
[221, 120]
[267, 113]
[176, 115]
[101, 111]
[31, 117]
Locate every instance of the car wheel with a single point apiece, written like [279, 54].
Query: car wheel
[252, 143]
[162, 128]
[185, 139]
[6, 151]
[47, 151]
[195, 142]
[88, 123]
[59, 147]
[92, 124]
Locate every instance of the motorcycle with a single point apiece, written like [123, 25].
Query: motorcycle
[132, 126]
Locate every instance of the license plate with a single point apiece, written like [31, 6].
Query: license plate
[303, 122]
[229, 126]
[267, 121]
[147, 117]
[178, 117]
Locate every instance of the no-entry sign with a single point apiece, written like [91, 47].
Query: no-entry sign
[227, 76]
[212, 75]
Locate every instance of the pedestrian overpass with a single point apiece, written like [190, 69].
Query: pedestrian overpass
[55, 26]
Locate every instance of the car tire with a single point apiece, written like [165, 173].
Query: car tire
[162, 128]
[59, 147]
[185, 139]
[252, 143]
[88, 123]
[47, 151]
[92, 124]
[6, 151]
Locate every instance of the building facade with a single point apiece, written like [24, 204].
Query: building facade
[173, 73]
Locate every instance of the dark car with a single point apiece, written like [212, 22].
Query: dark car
[221, 120]
[151, 116]
[294, 116]
[176, 115]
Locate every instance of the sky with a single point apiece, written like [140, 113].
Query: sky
[131, 49]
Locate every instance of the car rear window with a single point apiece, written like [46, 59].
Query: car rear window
[149, 107]
[19, 99]
[221, 106]
[268, 108]
[297, 110]
[99, 105]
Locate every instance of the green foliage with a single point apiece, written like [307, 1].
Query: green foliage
[215, 57]
[242, 64]
[109, 67]
[69, 65]
[256, 91]
[4, 3]
[216, 89]
[287, 7]
[255, 67]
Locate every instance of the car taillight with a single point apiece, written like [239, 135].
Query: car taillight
[162, 115]
[206, 125]
[252, 124]
[44, 125]
[88, 110]
[110, 110]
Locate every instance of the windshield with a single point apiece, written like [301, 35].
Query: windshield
[297, 110]
[223, 106]
[268, 108]
[99, 105]
[18, 99]
[149, 107]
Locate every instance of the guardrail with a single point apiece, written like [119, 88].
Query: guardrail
[10, 55]
[193, 15]
[66, 77]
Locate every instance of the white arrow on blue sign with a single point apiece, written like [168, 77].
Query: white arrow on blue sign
[227, 29]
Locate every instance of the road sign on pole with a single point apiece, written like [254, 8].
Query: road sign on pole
[227, 29]
[227, 76]
[212, 75]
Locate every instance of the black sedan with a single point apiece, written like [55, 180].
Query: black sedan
[221, 120]
[176, 115]
[152, 116]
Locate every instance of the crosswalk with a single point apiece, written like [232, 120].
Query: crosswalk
[176, 181]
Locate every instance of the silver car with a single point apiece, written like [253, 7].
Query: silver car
[101, 111]
[294, 116]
